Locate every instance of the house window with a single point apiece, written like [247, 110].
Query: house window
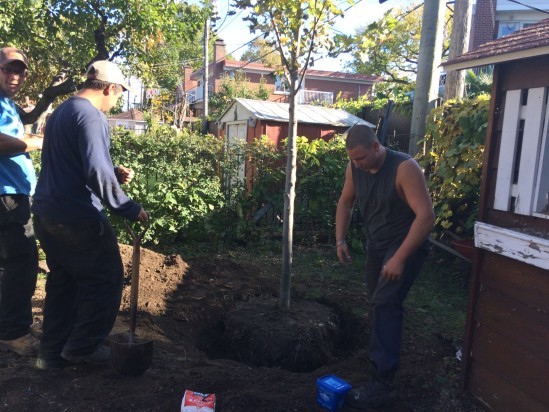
[281, 85]
[508, 27]
[522, 183]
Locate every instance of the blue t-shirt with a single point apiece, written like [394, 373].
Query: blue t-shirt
[77, 173]
[16, 172]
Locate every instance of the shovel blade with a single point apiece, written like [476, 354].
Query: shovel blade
[131, 359]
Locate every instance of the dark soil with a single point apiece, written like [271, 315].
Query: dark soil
[216, 329]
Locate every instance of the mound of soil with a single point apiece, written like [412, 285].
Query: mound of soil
[193, 312]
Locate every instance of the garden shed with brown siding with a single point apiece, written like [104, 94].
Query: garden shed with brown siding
[248, 119]
[506, 353]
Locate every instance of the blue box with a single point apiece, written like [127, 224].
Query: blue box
[331, 392]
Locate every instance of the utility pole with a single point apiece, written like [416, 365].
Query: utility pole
[427, 80]
[459, 44]
[205, 78]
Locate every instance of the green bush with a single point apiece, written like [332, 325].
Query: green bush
[178, 178]
[455, 135]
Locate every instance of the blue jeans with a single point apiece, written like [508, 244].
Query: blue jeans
[18, 266]
[83, 288]
[387, 298]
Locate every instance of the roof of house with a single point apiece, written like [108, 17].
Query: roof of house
[311, 73]
[531, 41]
[132, 114]
[266, 110]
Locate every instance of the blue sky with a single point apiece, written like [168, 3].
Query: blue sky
[235, 32]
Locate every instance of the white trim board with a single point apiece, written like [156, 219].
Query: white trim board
[529, 249]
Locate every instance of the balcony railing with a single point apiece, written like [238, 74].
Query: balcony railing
[313, 96]
[196, 94]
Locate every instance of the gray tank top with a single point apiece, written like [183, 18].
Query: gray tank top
[387, 218]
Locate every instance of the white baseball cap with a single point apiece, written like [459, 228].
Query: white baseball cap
[107, 71]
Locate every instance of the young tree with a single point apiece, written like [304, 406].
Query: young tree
[296, 28]
[61, 37]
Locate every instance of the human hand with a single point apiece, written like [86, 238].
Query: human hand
[33, 141]
[124, 174]
[143, 215]
[392, 269]
[343, 254]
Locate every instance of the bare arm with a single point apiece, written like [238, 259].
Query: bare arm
[412, 187]
[344, 213]
[11, 145]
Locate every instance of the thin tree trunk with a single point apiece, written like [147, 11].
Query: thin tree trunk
[289, 199]
[459, 44]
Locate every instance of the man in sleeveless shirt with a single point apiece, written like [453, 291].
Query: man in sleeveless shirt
[398, 216]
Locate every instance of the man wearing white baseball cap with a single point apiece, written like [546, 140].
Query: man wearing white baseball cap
[77, 177]
[18, 254]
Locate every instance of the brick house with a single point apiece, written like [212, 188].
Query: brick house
[493, 19]
[321, 85]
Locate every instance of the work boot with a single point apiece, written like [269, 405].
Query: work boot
[374, 395]
[99, 356]
[26, 345]
[52, 363]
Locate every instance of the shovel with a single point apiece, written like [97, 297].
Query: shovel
[133, 358]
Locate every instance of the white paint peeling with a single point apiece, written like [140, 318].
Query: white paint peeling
[520, 246]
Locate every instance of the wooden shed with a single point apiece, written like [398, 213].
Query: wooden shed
[506, 353]
[248, 119]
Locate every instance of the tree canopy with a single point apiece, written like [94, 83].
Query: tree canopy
[261, 51]
[62, 37]
[388, 47]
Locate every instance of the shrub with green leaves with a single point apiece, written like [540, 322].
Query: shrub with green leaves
[177, 178]
[455, 135]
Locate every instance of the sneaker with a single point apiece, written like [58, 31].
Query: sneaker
[374, 395]
[52, 363]
[100, 356]
[26, 345]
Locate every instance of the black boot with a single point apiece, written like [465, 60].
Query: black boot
[374, 395]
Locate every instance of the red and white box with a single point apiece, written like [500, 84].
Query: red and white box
[198, 402]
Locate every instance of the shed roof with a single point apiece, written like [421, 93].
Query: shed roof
[266, 110]
[132, 114]
[531, 41]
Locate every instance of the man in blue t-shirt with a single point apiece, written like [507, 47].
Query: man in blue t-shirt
[84, 286]
[18, 254]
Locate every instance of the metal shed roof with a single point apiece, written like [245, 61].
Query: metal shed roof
[266, 110]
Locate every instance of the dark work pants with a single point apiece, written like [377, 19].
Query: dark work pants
[83, 288]
[387, 298]
[18, 266]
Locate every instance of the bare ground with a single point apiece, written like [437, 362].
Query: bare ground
[193, 312]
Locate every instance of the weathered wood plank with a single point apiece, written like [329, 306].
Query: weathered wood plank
[533, 115]
[517, 280]
[509, 134]
[498, 394]
[525, 325]
[512, 363]
[516, 245]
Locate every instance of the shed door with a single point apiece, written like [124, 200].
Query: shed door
[236, 139]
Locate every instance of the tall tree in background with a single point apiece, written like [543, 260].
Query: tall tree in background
[297, 29]
[62, 37]
[388, 47]
[459, 44]
[261, 51]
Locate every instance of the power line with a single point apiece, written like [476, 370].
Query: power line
[528, 6]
